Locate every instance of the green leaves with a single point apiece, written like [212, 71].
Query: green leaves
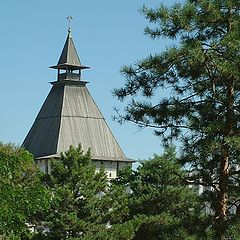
[22, 194]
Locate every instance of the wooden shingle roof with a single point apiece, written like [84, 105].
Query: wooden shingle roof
[69, 57]
[69, 116]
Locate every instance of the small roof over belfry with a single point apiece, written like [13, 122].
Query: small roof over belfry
[69, 57]
[69, 116]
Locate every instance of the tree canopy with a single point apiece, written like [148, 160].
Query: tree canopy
[77, 190]
[197, 84]
[161, 204]
[78, 202]
[152, 202]
[22, 195]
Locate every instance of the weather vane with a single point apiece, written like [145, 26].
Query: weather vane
[69, 18]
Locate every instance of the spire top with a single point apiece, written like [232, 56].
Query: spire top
[69, 62]
[69, 18]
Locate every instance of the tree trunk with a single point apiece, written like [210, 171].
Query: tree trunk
[221, 213]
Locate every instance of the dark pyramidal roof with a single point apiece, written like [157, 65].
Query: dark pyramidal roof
[69, 116]
[69, 57]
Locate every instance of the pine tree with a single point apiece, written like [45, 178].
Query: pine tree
[197, 83]
[161, 205]
[77, 206]
[152, 202]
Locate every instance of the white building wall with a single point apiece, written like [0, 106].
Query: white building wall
[44, 165]
[111, 167]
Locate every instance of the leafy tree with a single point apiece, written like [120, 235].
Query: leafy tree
[190, 92]
[22, 194]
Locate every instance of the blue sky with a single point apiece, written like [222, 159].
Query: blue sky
[107, 34]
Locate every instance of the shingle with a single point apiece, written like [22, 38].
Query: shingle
[43, 136]
[69, 116]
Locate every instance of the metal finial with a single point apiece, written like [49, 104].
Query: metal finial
[69, 18]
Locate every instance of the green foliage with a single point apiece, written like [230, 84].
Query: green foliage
[22, 194]
[161, 205]
[150, 203]
[198, 84]
[77, 204]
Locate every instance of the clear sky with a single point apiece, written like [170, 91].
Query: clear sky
[107, 34]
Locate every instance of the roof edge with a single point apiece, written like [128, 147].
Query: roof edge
[95, 158]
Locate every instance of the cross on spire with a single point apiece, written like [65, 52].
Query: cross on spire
[69, 18]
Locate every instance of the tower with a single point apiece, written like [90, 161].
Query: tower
[69, 116]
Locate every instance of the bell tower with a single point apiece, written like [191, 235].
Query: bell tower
[70, 116]
[69, 66]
